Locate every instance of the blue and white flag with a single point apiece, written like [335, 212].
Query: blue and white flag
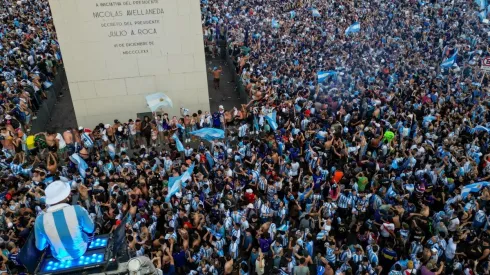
[356, 27]
[175, 188]
[448, 63]
[209, 134]
[158, 100]
[275, 23]
[187, 174]
[292, 14]
[315, 12]
[210, 159]
[473, 187]
[111, 149]
[81, 164]
[271, 119]
[480, 128]
[176, 183]
[324, 75]
[180, 146]
[87, 140]
[283, 227]
[482, 14]
[47, 84]
[172, 181]
[482, 4]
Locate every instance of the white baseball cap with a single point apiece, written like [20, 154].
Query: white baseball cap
[134, 265]
[221, 106]
[57, 191]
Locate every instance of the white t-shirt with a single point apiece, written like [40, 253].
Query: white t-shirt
[450, 249]
[294, 169]
[132, 129]
[385, 228]
[258, 269]
[453, 224]
[61, 141]
[30, 59]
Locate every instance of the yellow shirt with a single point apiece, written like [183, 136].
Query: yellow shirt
[30, 142]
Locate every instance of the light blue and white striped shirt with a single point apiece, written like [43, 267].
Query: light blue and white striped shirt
[64, 228]
[330, 255]
[236, 216]
[343, 201]
[373, 256]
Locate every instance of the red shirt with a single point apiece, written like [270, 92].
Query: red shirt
[250, 197]
[8, 196]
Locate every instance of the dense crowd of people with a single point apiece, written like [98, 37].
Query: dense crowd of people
[359, 152]
[30, 55]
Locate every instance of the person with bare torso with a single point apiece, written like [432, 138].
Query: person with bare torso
[228, 265]
[216, 76]
[68, 137]
[51, 141]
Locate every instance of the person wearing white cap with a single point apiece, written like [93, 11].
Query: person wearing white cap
[142, 265]
[65, 228]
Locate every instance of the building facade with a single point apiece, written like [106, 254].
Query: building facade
[117, 52]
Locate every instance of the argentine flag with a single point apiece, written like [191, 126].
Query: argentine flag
[480, 128]
[482, 4]
[173, 180]
[323, 75]
[176, 183]
[448, 63]
[356, 27]
[473, 187]
[210, 159]
[188, 173]
[175, 188]
[157, 101]
[209, 134]
[271, 119]
[275, 24]
[180, 146]
[81, 164]
[482, 14]
[315, 12]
